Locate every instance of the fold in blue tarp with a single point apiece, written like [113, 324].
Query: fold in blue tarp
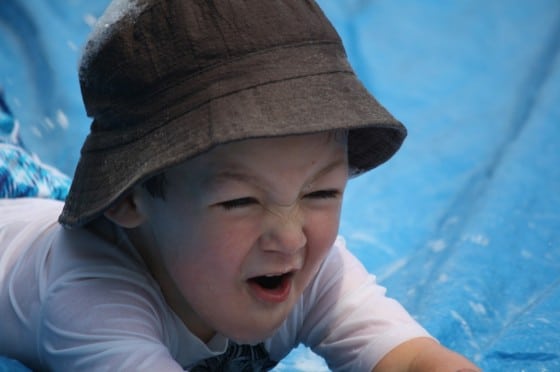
[463, 225]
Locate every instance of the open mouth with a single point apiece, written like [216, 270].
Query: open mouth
[271, 288]
[271, 282]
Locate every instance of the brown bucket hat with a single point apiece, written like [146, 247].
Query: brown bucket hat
[165, 80]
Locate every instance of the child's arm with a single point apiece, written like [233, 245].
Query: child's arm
[353, 325]
[424, 354]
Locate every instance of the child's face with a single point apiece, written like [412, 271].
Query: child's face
[235, 215]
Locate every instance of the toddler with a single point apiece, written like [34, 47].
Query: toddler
[200, 229]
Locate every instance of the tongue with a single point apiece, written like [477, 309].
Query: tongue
[271, 289]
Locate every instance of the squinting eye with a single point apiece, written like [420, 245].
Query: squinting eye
[238, 203]
[323, 194]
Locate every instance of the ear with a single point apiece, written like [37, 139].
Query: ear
[125, 212]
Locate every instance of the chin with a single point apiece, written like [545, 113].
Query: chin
[256, 327]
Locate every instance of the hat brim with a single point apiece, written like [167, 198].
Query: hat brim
[309, 104]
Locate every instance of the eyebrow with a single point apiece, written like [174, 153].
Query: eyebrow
[231, 172]
[330, 166]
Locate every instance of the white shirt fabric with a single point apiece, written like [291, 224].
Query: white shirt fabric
[70, 301]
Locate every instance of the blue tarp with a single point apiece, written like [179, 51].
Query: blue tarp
[463, 225]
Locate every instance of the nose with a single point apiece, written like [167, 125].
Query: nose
[284, 230]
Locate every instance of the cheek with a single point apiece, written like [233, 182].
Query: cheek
[321, 231]
[323, 225]
[209, 266]
[210, 248]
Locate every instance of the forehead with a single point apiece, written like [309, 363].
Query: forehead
[250, 159]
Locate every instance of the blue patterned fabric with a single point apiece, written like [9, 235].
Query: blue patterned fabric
[238, 358]
[22, 174]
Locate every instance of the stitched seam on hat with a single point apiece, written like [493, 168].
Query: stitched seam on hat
[248, 55]
[178, 81]
[194, 108]
[149, 125]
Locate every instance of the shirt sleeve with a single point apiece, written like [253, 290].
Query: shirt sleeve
[100, 311]
[72, 301]
[103, 324]
[348, 319]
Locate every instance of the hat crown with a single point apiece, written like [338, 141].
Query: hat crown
[166, 80]
[154, 43]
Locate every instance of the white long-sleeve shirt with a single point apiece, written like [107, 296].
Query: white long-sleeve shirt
[70, 300]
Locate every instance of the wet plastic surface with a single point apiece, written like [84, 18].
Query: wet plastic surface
[463, 225]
